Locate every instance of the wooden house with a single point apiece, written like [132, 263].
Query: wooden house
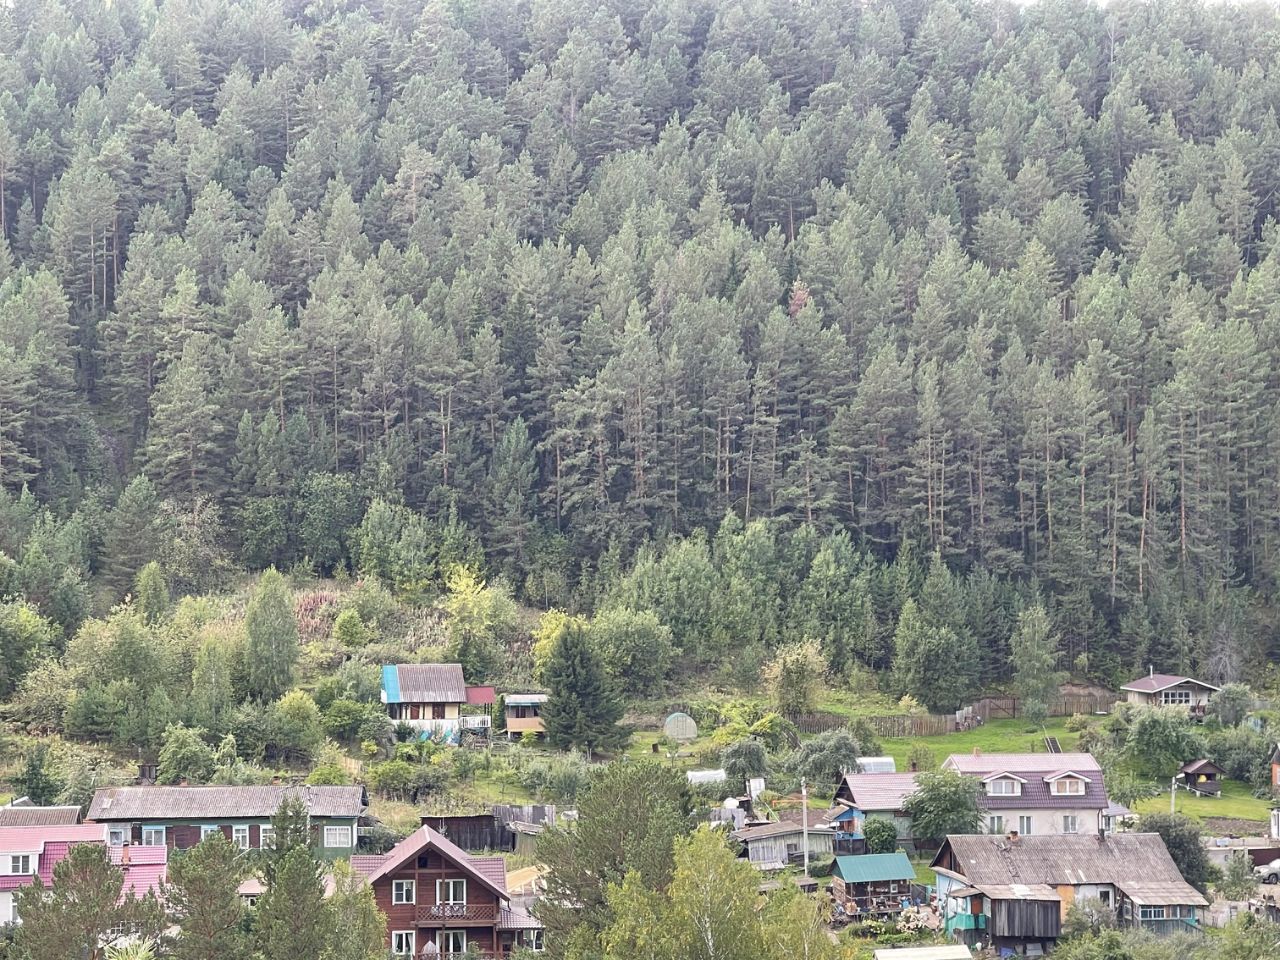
[439, 901]
[180, 817]
[522, 713]
[1168, 690]
[432, 697]
[878, 796]
[872, 885]
[23, 813]
[1203, 777]
[772, 846]
[1012, 893]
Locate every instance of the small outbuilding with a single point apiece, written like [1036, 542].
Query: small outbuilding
[874, 884]
[1203, 777]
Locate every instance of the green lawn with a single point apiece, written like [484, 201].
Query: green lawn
[1236, 802]
[924, 873]
[641, 748]
[998, 736]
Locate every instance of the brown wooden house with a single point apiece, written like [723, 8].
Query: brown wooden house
[440, 901]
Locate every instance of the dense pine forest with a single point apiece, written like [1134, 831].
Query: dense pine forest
[757, 319]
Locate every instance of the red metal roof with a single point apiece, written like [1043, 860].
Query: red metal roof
[1155, 682]
[33, 839]
[145, 868]
[480, 696]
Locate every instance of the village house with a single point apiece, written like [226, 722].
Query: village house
[1012, 893]
[1035, 794]
[772, 846]
[875, 796]
[872, 885]
[440, 901]
[1166, 690]
[180, 817]
[522, 713]
[430, 697]
[28, 852]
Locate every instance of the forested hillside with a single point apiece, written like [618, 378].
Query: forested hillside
[556, 287]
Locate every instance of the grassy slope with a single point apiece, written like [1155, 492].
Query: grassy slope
[1236, 802]
[998, 736]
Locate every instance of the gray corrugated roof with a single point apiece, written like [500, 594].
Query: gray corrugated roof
[987, 860]
[219, 803]
[431, 683]
[38, 816]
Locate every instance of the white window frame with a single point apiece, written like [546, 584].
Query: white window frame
[1151, 913]
[1068, 786]
[265, 833]
[1004, 787]
[535, 938]
[19, 865]
[1175, 698]
[453, 938]
[1070, 823]
[152, 831]
[995, 823]
[240, 835]
[207, 831]
[404, 892]
[445, 888]
[1024, 825]
[335, 832]
[403, 943]
[115, 836]
[13, 908]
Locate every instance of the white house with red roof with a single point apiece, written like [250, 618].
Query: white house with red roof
[1169, 690]
[30, 852]
[1036, 794]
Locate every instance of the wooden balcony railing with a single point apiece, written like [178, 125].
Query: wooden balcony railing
[457, 913]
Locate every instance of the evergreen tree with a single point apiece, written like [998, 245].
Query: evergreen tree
[152, 592]
[582, 709]
[1034, 651]
[201, 894]
[293, 919]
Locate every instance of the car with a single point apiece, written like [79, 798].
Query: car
[1268, 872]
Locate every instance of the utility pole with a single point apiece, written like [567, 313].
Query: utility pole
[1173, 789]
[804, 822]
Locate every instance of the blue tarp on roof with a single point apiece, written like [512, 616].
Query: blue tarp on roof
[391, 684]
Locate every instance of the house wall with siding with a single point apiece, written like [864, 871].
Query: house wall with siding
[426, 871]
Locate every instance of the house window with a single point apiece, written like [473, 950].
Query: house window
[402, 943]
[265, 833]
[402, 891]
[532, 940]
[115, 836]
[240, 836]
[1152, 913]
[1068, 785]
[1069, 824]
[437, 711]
[1175, 698]
[453, 941]
[1004, 788]
[995, 824]
[13, 909]
[451, 891]
[337, 836]
[1024, 826]
[20, 865]
[206, 832]
[153, 836]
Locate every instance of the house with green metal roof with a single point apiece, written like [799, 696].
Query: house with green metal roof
[873, 884]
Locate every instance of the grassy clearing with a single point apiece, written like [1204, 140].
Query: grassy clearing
[924, 873]
[1237, 802]
[998, 736]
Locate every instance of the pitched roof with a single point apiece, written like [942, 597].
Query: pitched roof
[33, 816]
[1155, 682]
[874, 868]
[33, 839]
[880, 791]
[488, 871]
[221, 803]
[1201, 766]
[782, 828]
[145, 868]
[423, 683]
[987, 860]
[524, 699]
[513, 918]
[1035, 770]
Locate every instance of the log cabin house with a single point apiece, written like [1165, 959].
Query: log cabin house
[440, 901]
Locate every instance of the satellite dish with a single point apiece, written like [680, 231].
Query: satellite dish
[730, 803]
[680, 726]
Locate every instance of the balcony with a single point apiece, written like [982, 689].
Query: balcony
[478, 722]
[455, 913]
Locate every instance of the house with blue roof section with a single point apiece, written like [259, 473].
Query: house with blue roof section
[432, 697]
